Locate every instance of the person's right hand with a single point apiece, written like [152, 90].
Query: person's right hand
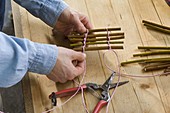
[65, 67]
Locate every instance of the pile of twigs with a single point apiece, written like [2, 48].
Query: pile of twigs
[97, 39]
[151, 64]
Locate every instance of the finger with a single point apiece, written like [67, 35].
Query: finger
[79, 25]
[87, 23]
[80, 68]
[78, 56]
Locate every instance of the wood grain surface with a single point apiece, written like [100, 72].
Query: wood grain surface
[140, 95]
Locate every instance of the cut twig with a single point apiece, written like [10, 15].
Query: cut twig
[152, 47]
[98, 48]
[152, 53]
[156, 67]
[98, 30]
[105, 29]
[158, 28]
[93, 43]
[155, 24]
[96, 39]
[96, 35]
[151, 60]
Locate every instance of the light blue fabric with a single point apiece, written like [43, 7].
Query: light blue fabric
[19, 55]
[47, 10]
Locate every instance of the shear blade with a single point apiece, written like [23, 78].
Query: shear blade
[120, 84]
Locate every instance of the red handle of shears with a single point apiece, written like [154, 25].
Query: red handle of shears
[68, 92]
[100, 104]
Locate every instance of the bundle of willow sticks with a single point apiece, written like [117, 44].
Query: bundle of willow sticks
[151, 64]
[97, 39]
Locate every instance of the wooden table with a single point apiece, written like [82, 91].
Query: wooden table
[148, 95]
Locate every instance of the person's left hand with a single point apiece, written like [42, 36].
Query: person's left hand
[71, 20]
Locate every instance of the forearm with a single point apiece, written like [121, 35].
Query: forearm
[47, 10]
[21, 55]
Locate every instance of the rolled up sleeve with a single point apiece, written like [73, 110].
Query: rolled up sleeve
[47, 10]
[20, 55]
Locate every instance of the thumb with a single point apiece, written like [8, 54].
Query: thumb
[79, 26]
[79, 56]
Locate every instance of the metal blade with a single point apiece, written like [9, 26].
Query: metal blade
[120, 84]
[106, 85]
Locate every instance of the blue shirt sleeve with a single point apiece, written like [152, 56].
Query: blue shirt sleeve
[47, 10]
[19, 55]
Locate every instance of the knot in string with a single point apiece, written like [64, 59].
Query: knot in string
[84, 40]
[108, 39]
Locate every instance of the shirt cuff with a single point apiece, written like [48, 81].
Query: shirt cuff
[44, 60]
[51, 10]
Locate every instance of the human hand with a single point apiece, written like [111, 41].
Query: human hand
[71, 20]
[65, 67]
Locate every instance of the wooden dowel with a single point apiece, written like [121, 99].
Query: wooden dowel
[105, 29]
[93, 43]
[157, 28]
[152, 47]
[98, 48]
[156, 67]
[157, 60]
[152, 53]
[151, 60]
[98, 30]
[96, 39]
[95, 35]
[155, 24]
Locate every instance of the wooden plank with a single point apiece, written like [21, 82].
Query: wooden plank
[146, 10]
[140, 95]
[104, 16]
[163, 82]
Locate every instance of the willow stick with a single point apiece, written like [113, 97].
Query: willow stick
[105, 29]
[151, 60]
[167, 70]
[93, 43]
[98, 30]
[98, 48]
[157, 60]
[153, 47]
[155, 24]
[96, 39]
[96, 35]
[152, 53]
[156, 67]
[157, 28]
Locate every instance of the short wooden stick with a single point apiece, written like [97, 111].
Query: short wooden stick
[98, 48]
[151, 60]
[155, 24]
[158, 28]
[152, 53]
[153, 47]
[156, 67]
[96, 35]
[96, 39]
[105, 29]
[93, 43]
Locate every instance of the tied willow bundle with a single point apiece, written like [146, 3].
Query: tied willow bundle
[97, 39]
[151, 64]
